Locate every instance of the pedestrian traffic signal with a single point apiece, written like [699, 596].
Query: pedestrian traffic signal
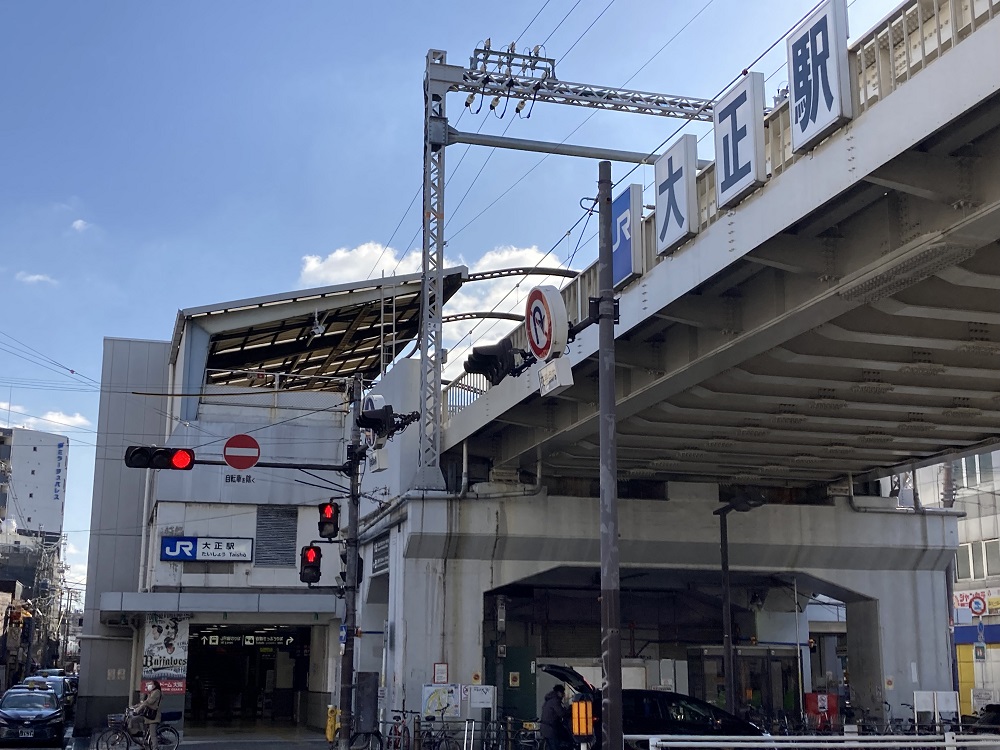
[495, 361]
[309, 559]
[342, 575]
[151, 457]
[329, 520]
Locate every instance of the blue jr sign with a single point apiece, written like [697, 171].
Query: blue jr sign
[626, 236]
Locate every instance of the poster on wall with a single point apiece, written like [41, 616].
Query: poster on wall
[165, 653]
[442, 701]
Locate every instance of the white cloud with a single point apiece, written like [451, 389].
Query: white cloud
[345, 265]
[34, 278]
[80, 225]
[51, 421]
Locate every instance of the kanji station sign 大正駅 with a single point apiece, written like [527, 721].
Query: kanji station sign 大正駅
[820, 75]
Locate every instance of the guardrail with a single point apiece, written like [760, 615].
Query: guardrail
[948, 740]
[901, 45]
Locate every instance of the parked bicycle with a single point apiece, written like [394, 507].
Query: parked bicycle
[437, 736]
[359, 740]
[129, 729]
[398, 736]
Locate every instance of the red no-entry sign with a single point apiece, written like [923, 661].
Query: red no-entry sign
[241, 452]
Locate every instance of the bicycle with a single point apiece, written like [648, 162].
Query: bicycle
[359, 740]
[398, 737]
[128, 729]
[433, 738]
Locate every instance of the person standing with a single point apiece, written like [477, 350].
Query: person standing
[149, 709]
[554, 717]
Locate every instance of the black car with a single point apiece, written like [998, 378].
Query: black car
[57, 685]
[656, 712]
[31, 716]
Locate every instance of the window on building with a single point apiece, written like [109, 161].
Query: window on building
[986, 467]
[34, 449]
[963, 562]
[274, 545]
[992, 557]
[978, 560]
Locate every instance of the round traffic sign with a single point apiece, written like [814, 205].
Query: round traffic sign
[241, 452]
[546, 322]
[977, 605]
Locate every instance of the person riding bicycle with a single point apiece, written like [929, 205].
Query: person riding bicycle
[149, 709]
[555, 730]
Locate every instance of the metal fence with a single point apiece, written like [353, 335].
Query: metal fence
[948, 740]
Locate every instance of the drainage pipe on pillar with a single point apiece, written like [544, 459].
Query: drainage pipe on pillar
[798, 642]
[948, 501]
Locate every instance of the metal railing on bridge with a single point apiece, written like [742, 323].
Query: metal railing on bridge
[948, 740]
[896, 49]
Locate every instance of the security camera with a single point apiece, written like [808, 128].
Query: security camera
[318, 330]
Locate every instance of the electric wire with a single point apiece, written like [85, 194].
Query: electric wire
[525, 31]
[494, 323]
[558, 25]
[651, 153]
[46, 357]
[566, 53]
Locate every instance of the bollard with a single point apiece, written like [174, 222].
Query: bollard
[418, 740]
[509, 735]
[332, 722]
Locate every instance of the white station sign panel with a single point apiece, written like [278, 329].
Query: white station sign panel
[820, 75]
[739, 141]
[675, 175]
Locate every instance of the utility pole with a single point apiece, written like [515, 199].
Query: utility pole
[354, 458]
[611, 644]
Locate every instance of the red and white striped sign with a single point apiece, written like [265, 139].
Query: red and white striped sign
[241, 452]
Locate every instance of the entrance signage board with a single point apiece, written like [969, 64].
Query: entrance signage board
[206, 548]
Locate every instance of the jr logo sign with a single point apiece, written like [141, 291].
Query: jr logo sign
[178, 547]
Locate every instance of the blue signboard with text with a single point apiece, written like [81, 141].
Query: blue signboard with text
[626, 236]
[188, 548]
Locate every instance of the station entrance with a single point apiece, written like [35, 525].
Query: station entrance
[242, 674]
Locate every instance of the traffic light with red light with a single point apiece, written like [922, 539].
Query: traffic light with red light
[309, 564]
[329, 520]
[151, 457]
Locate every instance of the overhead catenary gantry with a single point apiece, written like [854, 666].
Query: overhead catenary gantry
[503, 75]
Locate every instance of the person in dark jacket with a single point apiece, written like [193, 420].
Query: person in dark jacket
[555, 732]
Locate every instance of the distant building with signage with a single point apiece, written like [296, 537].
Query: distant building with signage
[33, 482]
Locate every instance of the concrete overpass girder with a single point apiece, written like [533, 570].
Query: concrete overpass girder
[799, 311]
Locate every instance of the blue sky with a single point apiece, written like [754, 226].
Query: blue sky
[158, 156]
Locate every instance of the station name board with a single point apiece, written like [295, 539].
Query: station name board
[206, 548]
